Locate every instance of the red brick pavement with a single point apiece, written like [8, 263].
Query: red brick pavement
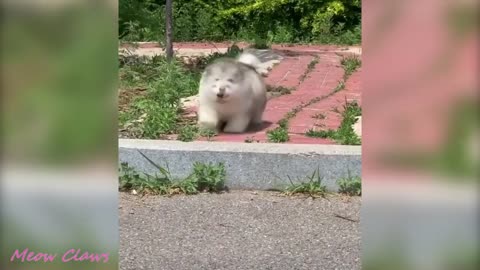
[319, 82]
[325, 113]
[289, 72]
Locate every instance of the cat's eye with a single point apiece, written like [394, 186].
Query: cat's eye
[217, 79]
[230, 80]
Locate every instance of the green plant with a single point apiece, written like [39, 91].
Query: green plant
[282, 34]
[350, 185]
[278, 135]
[208, 133]
[159, 183]
[313, 63]
[321, 133]
[310, 67]
[340, 86]
[350, 64]
[209, 177]
[259, 21]
[282, 90]
[155, 113]
[312, 186]
[188, 133]
[204, 178]
[260, 44]
[345, 133]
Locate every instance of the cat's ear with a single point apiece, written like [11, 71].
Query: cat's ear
[208, 71]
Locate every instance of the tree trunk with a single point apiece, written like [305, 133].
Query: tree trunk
[169, 30]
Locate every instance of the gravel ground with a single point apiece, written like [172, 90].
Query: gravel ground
[239, 230]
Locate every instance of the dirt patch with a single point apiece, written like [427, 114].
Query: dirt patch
[126, 96]
[276, 91]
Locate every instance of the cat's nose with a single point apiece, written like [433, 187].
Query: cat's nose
[221, 92]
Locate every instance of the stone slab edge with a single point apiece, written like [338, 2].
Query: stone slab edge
[248, 166]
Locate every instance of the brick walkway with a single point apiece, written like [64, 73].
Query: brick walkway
[317, 84]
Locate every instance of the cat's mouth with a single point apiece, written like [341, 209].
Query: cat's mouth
[221, 100]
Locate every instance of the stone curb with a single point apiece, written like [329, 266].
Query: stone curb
[248, 165]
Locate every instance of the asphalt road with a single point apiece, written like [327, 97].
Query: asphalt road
[239, 230]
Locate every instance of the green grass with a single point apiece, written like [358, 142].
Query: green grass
[311, 186]
[340, 86]
[321, 133]
[350, 185]
[157, 112]
[350, 65]
[204, 178]
[282, 90]
[310, 67]
[313, 63]
[278, 135]
[344, 134]
[191, 132]
[188, 133]
[208, 133]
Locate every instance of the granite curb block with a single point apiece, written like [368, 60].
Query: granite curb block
[248, 165]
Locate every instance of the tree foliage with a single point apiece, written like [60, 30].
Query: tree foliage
[324, 21]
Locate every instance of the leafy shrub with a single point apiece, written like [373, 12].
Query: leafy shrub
[258, 21]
